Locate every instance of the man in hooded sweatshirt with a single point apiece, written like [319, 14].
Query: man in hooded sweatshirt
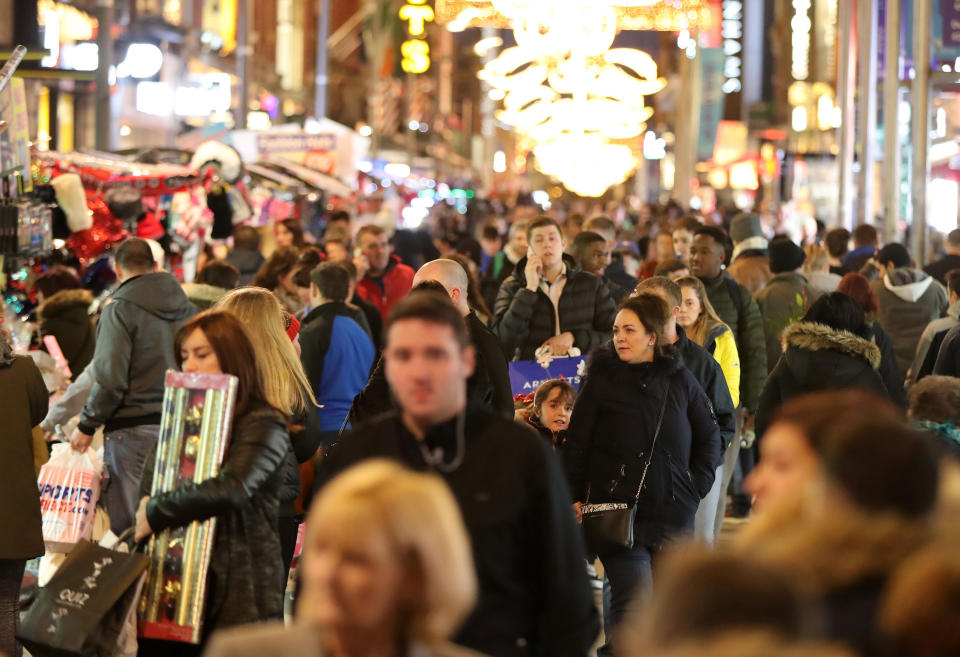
[933, 336]
[134, 349]
[909, 300]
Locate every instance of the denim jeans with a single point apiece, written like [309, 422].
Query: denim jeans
[124, 453]
[11, 572]
[630, 574]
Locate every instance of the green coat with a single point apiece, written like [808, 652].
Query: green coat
[743, 318]
[784, 300]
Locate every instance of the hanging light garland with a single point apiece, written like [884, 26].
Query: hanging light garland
[566, 89]
[661, 15]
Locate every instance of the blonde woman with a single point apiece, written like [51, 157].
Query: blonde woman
[285, 387]
[387, 571]
[816, 267]
[704, 326]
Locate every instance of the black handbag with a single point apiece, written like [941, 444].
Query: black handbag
[82, 610]
[609, 527]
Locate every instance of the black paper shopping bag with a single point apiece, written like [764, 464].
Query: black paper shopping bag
[81, 611]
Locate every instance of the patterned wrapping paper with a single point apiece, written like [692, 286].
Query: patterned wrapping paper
[194, 435]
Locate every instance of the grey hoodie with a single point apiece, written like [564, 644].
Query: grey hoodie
[909, 300]
[134, 349]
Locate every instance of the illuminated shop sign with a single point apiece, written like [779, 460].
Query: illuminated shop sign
[731, 29]
[416, 50]
[800, 26]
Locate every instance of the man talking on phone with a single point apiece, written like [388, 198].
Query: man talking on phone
[549, 305]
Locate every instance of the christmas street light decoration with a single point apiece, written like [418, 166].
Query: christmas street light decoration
[566, 89]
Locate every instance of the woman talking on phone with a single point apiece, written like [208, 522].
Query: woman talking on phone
[548, 306]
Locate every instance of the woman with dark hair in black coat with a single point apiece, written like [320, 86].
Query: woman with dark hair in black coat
[831, 348]
[610, 442]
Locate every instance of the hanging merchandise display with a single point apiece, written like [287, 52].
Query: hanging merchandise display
[581, 102]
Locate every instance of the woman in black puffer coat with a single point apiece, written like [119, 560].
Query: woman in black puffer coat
[246, 578]
[830, 349]
[611, 438]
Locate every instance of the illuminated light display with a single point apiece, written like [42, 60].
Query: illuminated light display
[416, 51]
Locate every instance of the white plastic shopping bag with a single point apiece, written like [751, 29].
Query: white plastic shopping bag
[69, 486]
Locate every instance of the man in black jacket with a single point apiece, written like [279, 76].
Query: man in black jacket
[488, 386]
[134, 349]
[534, 597]
[549, 302]
[706, 370]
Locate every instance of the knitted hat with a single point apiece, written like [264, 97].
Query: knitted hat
[745, 226]
[785, 255]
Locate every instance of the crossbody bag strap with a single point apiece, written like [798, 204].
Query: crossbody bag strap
[653, 445]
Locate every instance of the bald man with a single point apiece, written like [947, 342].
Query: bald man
[490, 384]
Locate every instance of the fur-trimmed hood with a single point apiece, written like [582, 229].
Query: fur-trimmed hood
[65, 301]
[812, 336]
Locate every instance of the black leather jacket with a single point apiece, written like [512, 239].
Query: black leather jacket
[247, 574]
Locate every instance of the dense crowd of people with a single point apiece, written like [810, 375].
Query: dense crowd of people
[812, 389]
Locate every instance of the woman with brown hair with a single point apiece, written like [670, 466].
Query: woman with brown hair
[642, 433]
[289, 234]
[246, 571]
[277, 275]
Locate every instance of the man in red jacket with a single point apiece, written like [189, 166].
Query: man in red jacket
[384, 280]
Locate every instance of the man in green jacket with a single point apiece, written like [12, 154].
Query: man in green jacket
[786, 297]
[736, 307]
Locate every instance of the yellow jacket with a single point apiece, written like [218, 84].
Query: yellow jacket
[723, 346]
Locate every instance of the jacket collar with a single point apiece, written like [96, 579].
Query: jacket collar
[820, 337]
[329, 308]
[571, 264]
[867, 250]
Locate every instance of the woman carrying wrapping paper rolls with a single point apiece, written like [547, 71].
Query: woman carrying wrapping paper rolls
[246, 580]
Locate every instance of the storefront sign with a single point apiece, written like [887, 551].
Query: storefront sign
[416, 50]
[296, 142]
[950, 16]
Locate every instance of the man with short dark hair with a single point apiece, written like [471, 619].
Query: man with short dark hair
[739, 310]
[735, 306]
[534, 598]
[950, 259]
[933, 335]
[591, 253]
[837, 243]
[134, 350]
[383, 278]
[616, 271]
[245, 254]
[909, 300]
[549, 305]
[706, 370]
[866, 240]
[336, 351]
